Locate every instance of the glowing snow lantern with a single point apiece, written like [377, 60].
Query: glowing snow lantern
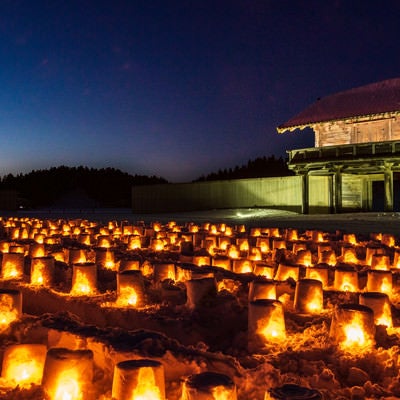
[130, 289]
[84, 238]
[243, 244]
[224, 242]
[266, 324]
[345, 279]
[263, 244]
[23, 364]
[371, 251]
[274, 232]
[84, 279]
[388, 240]
[308, 296]
[209, 386]
[129, 265]
[105, 258]
[10, 307]
[134, 242]
[379, 281]
[42, 271]
[37, 250]
[286, 271]
[304, 258]
[380, 262]
[327, 257]
[380, 304]
[104, 241]
[233, 251]
[243, 266]
[255, 232]
[349, 255]
[353, 327]
[163, 271]
[396, 259]
[298, 246]
[319, 272]
[138, 380]
[157, 244]
[255, 254]
[68, 374]
[259, 290]
[198, 290]
[350, 238]
[291, 235]
[12, 266]
[76, 256]
[263, 269]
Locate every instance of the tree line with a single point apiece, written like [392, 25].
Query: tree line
[105, 187]
[259, 168]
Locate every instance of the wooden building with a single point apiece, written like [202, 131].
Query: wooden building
[357, 145]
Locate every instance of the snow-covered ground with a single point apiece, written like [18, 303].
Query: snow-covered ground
[213, 336]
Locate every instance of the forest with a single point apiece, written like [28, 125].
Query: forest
[105, 187]
[261, 167]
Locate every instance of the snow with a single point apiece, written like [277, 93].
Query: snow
[210, 334]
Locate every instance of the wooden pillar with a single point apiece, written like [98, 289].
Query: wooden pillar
[337, 189]
[388, 187]
[304, 192]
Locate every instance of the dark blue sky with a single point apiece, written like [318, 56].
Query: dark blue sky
[177, 88]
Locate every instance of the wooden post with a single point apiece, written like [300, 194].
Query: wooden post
[388, 187]
[304, 190]
[337, 188]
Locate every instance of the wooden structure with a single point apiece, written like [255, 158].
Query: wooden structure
[357, 133]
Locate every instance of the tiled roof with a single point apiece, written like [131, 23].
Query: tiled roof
[375, 98]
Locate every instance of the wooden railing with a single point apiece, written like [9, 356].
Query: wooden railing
[346, 151]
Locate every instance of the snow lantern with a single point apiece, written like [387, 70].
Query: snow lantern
[286, 271]
[12, 266]
[138, 380]
[308, 296]
[380, 304]
[23, 364]
[197, 290]
[262, 289]
[345, 279]
[353, 327]
[379, 281]
[134, 242]
[42, 271]
[319, 272]
[84, 279]
[68, 374]
[209, 386]
[10, 307]
[130, 289]
[266, 324]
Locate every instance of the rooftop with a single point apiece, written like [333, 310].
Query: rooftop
[373, 99]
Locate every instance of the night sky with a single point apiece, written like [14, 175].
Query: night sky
[177, 89]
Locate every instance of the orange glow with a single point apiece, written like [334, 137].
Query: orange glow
[134, 242]
[12, 266]
[146, 388]
[349, 255]
[68, 387]
[221, 393]
[81, 285]
[23, 364]
[272, 329]
[233, 252]
[8, 312]
[127, 297]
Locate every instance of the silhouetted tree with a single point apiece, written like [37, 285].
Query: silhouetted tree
[108, 187]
